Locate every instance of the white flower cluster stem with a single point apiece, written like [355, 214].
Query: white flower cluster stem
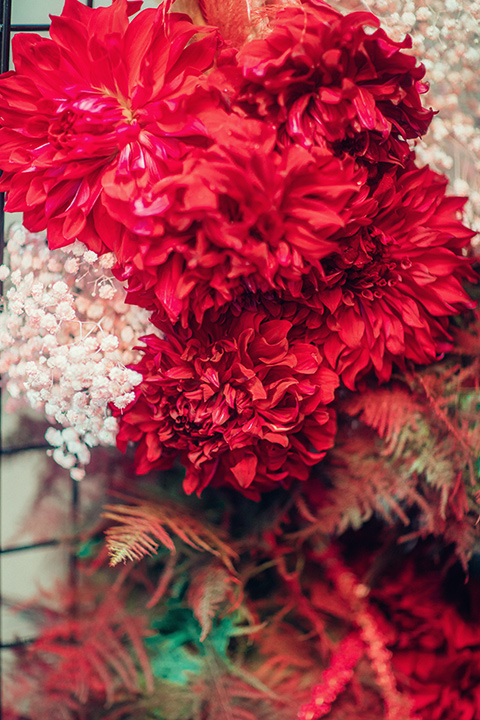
[66, 338]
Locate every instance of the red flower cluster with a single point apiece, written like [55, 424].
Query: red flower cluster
[323, 79]
[245, 194]
[435, 651]
[92, 115]
[387, 293]
[242, 403]
[241, 219]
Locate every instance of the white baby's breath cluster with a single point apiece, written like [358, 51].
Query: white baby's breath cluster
[66, 337]
[446, 39]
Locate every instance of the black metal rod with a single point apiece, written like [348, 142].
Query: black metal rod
[16, 644]
[6, 15]
[4, 65]
[5, 39]
[31, 546]
[26, 448]
[73, 564]
[6, 28]
[29, 28]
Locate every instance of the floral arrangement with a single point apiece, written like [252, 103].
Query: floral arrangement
[236, 263]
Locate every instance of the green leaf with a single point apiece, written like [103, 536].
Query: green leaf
[175, 664]
[177, 652]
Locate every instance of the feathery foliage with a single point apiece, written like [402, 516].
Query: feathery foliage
[143, 526]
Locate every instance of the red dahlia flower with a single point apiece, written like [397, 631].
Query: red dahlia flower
[435, 651]
[91, 116]
[387, 292]
[241, 403]
[241, 219]
[321, 78]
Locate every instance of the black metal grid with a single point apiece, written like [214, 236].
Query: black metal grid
[6, 29]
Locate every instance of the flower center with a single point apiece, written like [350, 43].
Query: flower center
[368, 267]
[92, 124]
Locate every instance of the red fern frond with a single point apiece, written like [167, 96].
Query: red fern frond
[143, 527]
[211, 587]
[364, 481]
[289, 664]
[441, 414]
[89, 654]
[385, 410]
[164, 581]
[231, 698]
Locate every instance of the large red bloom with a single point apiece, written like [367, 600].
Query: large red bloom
[322, 78]
[435, 651]
[241, 219]
[372, 278]
[386, 294]
[242, 403]
[90, 117]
